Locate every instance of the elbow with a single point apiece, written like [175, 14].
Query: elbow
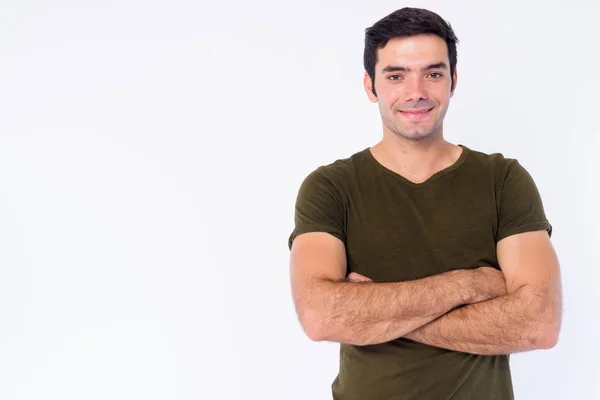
[546, 333]
[313, 324]
[547, 337]
[320, 328]
[315, 332]
[325, 332]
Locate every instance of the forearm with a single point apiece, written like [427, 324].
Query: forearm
[371, 313]
[503, 325]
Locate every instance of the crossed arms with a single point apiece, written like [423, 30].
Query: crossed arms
[481, 311]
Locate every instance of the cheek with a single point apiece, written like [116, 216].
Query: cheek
[442, 93]
[444, 98]
[437, 98]
[391, 98]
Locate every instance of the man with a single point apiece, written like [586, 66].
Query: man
[428, 262]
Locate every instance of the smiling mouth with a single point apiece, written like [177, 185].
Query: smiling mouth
[416, 114]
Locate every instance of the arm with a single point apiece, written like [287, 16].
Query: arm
[331, 308]
[527, 318]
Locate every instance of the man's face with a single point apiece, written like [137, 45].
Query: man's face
[412, 82]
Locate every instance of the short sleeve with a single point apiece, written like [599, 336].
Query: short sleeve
[319, 207]
[520, 209]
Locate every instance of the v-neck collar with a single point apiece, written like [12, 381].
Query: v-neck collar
[461, 159]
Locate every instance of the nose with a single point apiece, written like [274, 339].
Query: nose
[415, 90]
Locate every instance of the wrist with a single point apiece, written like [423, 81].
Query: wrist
[468, 292]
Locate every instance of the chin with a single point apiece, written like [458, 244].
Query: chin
[419, 135]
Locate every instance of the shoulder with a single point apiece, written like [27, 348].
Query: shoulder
[496, 161]
[509, 178]
[497, 164]
[339, 172]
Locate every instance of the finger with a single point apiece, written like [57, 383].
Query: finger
[354, 277]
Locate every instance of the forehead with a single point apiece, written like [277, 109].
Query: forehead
[412, 51]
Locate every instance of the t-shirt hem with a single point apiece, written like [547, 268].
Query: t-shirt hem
[535, 226]
[314, 228]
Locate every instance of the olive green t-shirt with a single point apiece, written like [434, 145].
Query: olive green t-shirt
[396, 230]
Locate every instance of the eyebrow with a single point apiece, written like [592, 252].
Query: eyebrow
[396, 68]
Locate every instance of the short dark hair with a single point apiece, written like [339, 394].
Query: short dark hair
[407, 22]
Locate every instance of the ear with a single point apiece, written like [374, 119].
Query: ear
[368, 84]
[455, 75]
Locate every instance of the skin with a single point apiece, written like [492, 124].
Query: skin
[482, 311]
[413, 73]
[332, 308]
[527, 317]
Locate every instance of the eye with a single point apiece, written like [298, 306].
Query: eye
[435, 75]
[394, 77]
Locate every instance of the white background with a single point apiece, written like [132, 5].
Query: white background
[151, 152]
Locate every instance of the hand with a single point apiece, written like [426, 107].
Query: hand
[489, 283]
[354, 277]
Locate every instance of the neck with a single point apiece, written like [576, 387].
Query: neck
[416, 160]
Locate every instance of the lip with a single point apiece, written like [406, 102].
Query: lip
[416, 114]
